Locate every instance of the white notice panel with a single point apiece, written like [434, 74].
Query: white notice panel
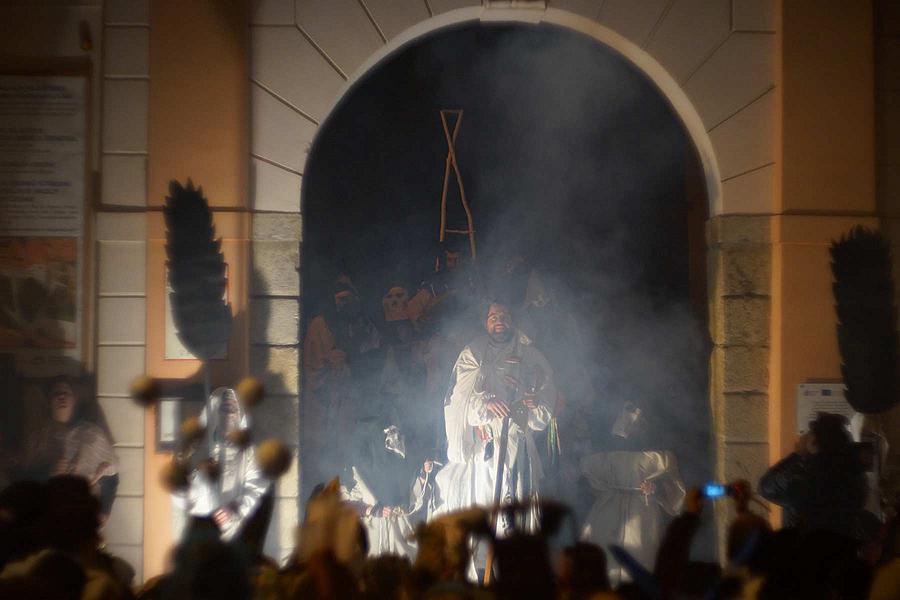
[813, 398]
[42, 154]
[42, 196]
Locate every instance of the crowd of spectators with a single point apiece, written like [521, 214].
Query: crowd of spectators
[51, 547]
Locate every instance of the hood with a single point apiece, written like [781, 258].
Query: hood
[212, 417]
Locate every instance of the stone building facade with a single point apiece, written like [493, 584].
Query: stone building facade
[793, 108]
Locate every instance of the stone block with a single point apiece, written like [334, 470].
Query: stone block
[121, 320]
[285, 62]
[442, 6]
[738, 229]
[277, 227]
[743, 369]
[585, 8]
[126, 11]
[740, 270]
[634, 20]
[125, 110]
[277, 416]
[742, 321]
[395, 16]
[743, 461]
[274, 321]
[689, 31]
[126, 522]
[737, 73]
[750, 193]
[275, 269]
[126, 51]
[272, 12]
[341, 28]
[276, 367]
[123, 268]
[119, 226]
[131, 471]
[753, 15]
[117, 366]
[125, 419]
[744, 417]
[746, 140]
[278, 132]
[274, 188]
[123, 180]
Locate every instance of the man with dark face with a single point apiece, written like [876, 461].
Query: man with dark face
[499, 375]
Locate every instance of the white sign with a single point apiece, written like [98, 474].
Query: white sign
[42, 196]
[813, 398]
[42, 154]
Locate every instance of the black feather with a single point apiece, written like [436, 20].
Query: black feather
[196, 273]
[867, 323]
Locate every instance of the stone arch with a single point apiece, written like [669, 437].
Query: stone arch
[714, 60]
[664, 82]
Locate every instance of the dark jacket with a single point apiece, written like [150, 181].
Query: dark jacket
[818, 492]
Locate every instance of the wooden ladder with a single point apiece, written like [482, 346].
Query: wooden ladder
[451, 164]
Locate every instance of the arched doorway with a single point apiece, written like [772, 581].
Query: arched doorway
[572, 159]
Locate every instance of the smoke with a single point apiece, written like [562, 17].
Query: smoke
[575, 165]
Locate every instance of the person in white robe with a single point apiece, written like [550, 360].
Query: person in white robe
[226, 483]
[636, 489]
[386, 490]
[496, 376]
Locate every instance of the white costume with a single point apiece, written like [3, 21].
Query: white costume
[386, 535]
[623, 514]
[379, 479]
[482, 372]
[240, 484]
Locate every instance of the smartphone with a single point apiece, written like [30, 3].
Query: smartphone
[714, 490]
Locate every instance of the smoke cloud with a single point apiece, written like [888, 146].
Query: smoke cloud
[574, 163]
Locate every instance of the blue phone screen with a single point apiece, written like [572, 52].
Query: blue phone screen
[713, 490]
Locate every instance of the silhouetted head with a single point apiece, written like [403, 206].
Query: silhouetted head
[830, 434]
[582, 570]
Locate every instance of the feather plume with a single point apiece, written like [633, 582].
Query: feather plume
[196, 273]
[867, 323]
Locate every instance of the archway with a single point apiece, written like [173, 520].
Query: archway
[668, 87]
[616, 175]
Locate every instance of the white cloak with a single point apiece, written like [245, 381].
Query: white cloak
[622, 514]
[240, 485]
[468, 478]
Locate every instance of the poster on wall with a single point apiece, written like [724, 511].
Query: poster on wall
[813, 398]
[43, 132]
